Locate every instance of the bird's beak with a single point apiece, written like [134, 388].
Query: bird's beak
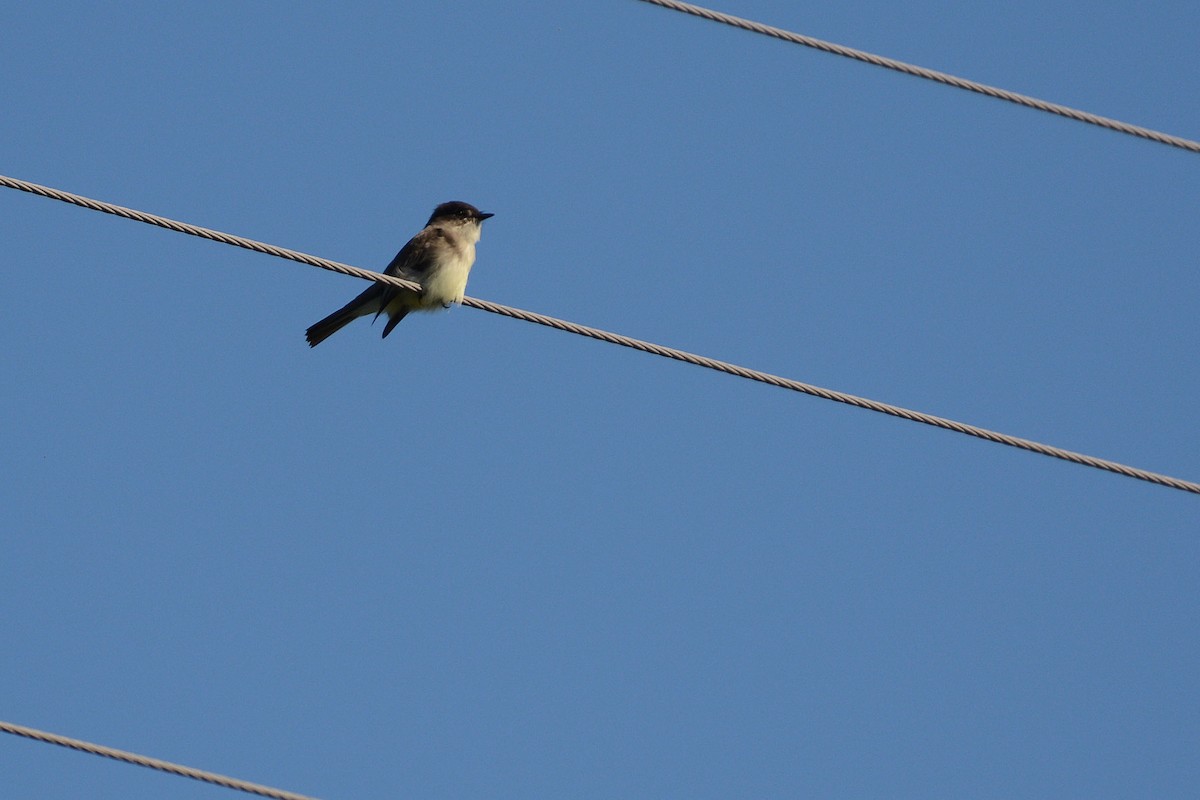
[483, 216]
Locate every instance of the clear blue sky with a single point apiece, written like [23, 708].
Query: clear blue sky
[486, 559]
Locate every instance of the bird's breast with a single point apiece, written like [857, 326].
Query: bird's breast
[447, 281]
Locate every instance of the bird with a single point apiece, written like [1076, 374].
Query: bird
[439, 258]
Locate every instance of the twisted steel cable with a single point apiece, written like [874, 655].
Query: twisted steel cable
[616, 338]
[929, 74]
[150, 763]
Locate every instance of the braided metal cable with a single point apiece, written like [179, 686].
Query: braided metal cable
[150, 763]
[929, 74]
[616, 338]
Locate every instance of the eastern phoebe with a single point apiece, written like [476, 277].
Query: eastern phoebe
[439, 258]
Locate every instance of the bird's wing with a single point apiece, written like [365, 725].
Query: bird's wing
[411, 264]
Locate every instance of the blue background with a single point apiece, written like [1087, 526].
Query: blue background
[483, 558]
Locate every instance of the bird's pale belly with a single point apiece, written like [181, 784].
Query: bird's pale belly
[447, 284]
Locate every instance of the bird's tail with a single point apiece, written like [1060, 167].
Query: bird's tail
[339, 319]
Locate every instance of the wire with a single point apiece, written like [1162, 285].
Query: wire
[929, 74]
[616, 338]
[151, 763]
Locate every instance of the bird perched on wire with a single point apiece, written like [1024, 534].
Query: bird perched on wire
[439, 258]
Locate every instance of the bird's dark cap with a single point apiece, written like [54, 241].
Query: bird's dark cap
[456, 209]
